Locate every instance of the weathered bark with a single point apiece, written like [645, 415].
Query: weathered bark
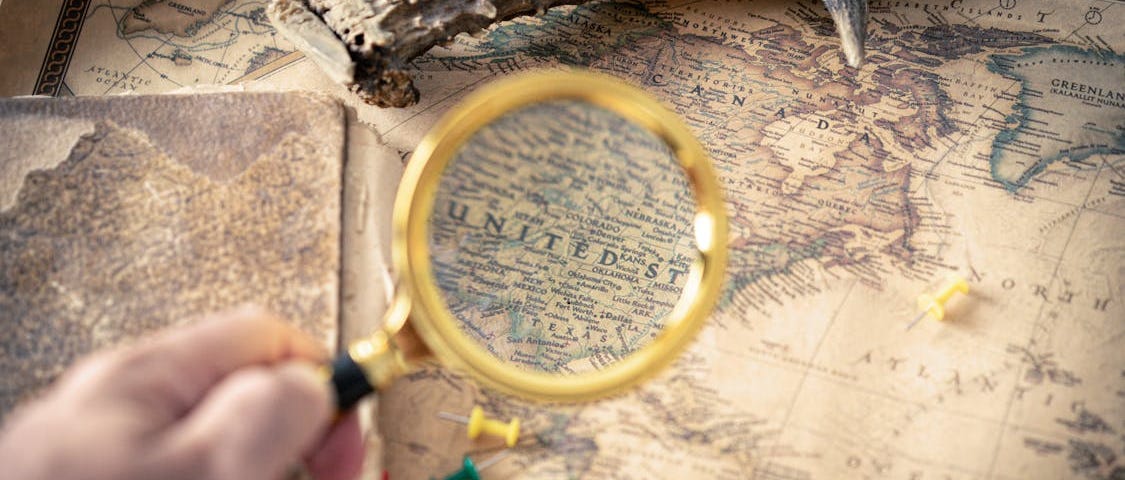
[375, 39]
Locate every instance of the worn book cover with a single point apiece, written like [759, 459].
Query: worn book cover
[123, 215]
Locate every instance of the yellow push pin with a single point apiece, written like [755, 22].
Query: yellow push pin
[934, 305]
[479, 424]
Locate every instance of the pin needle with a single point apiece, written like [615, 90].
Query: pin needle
[492, 461]
[916, 320]
[934, 305]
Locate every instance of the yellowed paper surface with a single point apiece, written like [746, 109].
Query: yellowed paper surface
[981, 138]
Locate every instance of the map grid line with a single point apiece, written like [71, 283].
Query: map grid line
[766, 470]
[1038, 322]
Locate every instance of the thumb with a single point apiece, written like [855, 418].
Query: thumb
[255, 424]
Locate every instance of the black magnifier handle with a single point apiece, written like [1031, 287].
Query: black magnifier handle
[366, 366]
[349, 382]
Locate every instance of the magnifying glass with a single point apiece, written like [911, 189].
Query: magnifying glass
[559, 236]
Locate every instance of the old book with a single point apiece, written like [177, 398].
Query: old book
[123, 215]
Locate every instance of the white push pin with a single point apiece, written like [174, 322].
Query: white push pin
[934, 305]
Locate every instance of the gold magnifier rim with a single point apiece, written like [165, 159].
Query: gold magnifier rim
[429, 314]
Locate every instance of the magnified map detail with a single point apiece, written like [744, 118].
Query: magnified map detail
[561, 237]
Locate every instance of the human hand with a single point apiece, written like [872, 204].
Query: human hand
[232, 397]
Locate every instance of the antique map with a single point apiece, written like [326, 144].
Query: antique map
[982, 137]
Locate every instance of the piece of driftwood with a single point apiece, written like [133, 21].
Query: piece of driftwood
[366, 44]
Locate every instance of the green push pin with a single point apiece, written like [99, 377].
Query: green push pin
[469, 471]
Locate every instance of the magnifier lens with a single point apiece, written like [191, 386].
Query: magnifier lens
[561, 237]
